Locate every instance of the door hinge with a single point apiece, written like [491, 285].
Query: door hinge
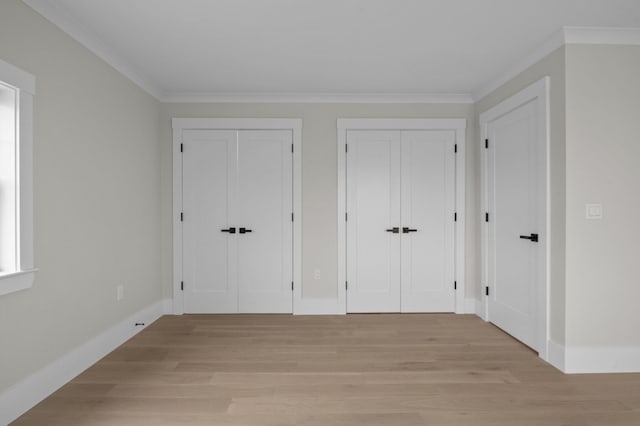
[181, 217]
[182, 285]
[346, 147]
[346, 285]
[455, 217]
[292, 148]
[455, 285]
[291, 217]
[486, 143]
[346, 216]
[486, 290]
[455, 148]
[486, 217]
[291, 285]
[181, 147]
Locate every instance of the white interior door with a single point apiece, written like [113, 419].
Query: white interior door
[264, 208]
[237, 228]
[428, 227]
[209, 181]
[513, 203]
[373, 208]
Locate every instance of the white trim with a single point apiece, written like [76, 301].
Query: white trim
[481, 309]
[556, 355]
[579, 360]
[564, 36]
[555, 41]
[538, 90]
[237, 124]
[589, 360]
[56, 14]
[456, 124]
[24, 277]
[293, 124]
[470, 306]
[311, 306]
[297, 97]
[602, 35]
[16, 77]
[19, 398]
[16, 281]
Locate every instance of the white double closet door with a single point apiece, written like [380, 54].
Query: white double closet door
[400, 224]
[237, 224]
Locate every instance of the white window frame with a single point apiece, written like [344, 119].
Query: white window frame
[25, 84]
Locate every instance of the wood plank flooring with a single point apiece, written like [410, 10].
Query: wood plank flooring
[412, 369]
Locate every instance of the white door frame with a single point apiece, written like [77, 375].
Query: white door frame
[180, 124]
[538, 91]
[458, 125]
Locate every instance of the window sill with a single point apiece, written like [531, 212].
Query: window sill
[16, 281]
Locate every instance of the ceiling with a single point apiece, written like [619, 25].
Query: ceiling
[207, 48]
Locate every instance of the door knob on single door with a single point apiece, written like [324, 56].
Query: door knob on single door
[406, 230]
[229, 230]
[533, 237]
[244, 230]
[395, 230]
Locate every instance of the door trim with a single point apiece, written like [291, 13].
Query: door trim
[537, 91]
[458, 125]
[181, 124]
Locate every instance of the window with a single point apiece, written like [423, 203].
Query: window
[16, 179]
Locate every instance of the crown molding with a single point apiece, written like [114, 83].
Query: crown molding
[293, 97]
[562, 37]
[555, 41]
[54, 13]
[602, 35]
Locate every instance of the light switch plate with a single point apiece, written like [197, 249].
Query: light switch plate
[593, 211]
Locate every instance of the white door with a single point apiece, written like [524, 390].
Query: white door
[514, 236]
[373, 225]
[265, 235]
[237, 228]
[209, 255]
[400, 227]
[428, 227]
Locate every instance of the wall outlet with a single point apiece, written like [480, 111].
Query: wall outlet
[120, 292]
[316, 274]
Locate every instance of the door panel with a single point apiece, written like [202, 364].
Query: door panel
[512, 199]
[264, 205]
[373, 206]
[208, 253]
[428, 203]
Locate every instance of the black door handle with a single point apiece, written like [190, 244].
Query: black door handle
[244, 230]
[532, 237]
[406, 230]
[395, 230]
[230, 230]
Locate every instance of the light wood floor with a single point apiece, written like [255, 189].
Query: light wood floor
[433, 369]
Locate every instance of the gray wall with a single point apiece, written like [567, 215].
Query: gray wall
[97, 197]
[553, 66]
[603, 163]
[319, 177]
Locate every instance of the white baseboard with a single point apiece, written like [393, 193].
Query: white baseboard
[307, 306]
[602, 360]
[22, 396]
[481, 309]
[470, 306]
[586, 360]
[556, 355]
[167, 306]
